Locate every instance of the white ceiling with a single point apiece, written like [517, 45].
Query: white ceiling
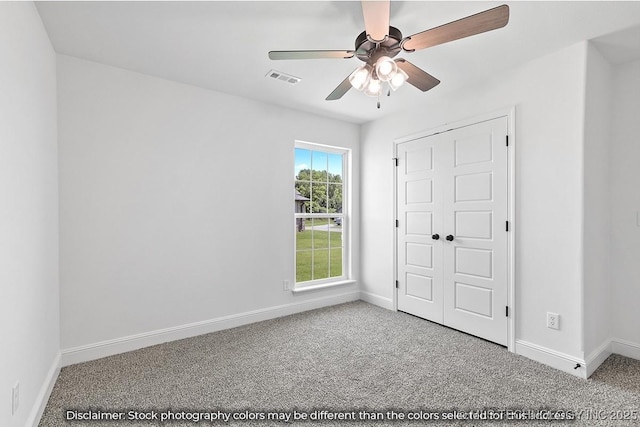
[223, 45]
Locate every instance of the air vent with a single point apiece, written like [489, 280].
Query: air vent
[287, 78]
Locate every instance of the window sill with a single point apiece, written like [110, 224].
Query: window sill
[321, 286]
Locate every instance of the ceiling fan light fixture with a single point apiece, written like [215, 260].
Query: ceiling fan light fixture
[398, 79]
[360, 78]
[386, 68]
[374, 88]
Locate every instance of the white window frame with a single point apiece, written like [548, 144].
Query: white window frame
[345, 278]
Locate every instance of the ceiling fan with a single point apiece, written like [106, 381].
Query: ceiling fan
[379, 43]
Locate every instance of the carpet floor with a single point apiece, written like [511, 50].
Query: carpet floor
[350, 364]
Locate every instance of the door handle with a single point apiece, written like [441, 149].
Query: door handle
[435, 236]
[449, 237]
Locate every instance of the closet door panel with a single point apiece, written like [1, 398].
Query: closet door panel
[419, 257]
[474, 185]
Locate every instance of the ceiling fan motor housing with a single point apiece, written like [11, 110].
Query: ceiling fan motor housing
[369, 51]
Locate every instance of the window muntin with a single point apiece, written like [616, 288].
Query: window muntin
[320, 214]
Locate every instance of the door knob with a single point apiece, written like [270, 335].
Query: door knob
[435, 236]
[449, 237]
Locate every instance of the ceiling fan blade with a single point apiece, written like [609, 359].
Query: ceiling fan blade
[311, 54]
[340, 90]
[488, 20]
[417, 77]
[376, 19]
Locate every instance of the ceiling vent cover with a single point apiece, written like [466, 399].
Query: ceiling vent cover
[287, 78]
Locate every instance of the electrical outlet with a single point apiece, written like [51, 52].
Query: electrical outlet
[553, 320]
[15, 398]
[285, 285]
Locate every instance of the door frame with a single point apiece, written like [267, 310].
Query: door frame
[509, 113]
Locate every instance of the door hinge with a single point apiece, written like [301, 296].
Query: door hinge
[395, 161]
[506, 226]
[397, 223]
[507, 137]
[506, 311]
[397, 284]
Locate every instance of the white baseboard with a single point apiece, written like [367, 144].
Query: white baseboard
[101, 349]
[555, 359]
[625, 348]
[599, 355]
[609, 347]
[45, 391]
[376, 300]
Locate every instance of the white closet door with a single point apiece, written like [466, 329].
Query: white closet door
[474, 186]
[454, 185]
[419, 257]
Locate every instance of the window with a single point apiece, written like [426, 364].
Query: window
[321, 217]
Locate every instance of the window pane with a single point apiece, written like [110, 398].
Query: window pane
[334, 198]
[303, 178]
[302, 200]
[303, 235]
[335, 167]
[335, 236]
[303, 266]
[302, 162]
[320, 264]
[319, 176]
[320, 233]
[304, 187]
[336, 262]
[319, 164]
[319, 200]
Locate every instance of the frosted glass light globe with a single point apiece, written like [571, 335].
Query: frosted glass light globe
[360, 77]
[398, 79]
[386, 68]
[374, 88]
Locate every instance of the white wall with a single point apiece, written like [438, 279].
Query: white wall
[175, 203]
[548, 94]
[29, 311]
[596, 226]
[625, 205]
